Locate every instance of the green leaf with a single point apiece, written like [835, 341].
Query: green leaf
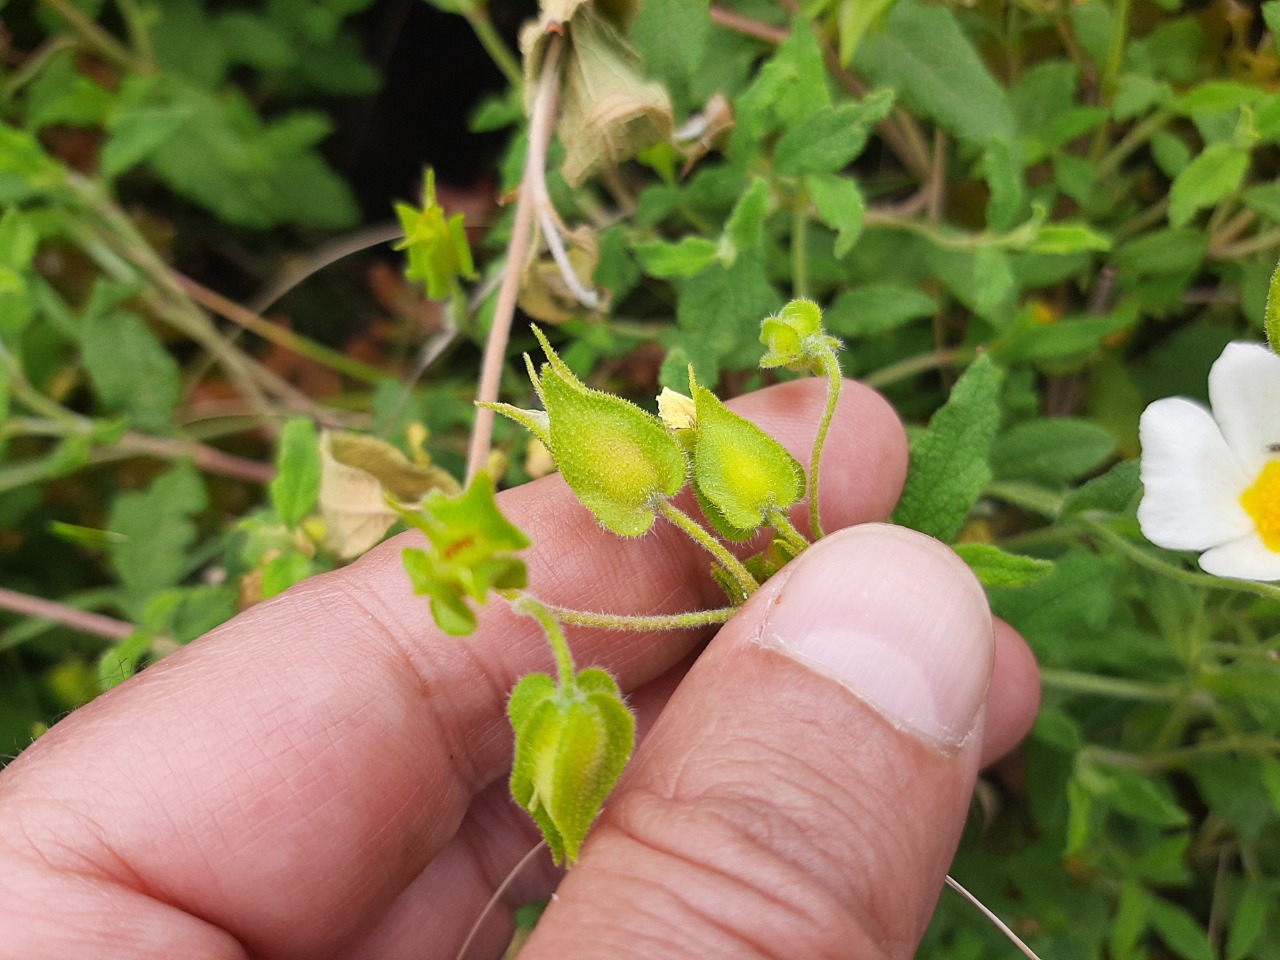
[18, 239]
[1180, 930]
[840, 206]
[1004, 179]
[827, 140]
[995, 568]
[137, 132]
[1066, 238]
[1210, 177]
[1177, 250]
[1068, 337]
[156, 530]
[671, 36]
[719, 313]
[876, 307]
[121, 660]
[688, 256]
[61, 95]
[297, 481]
[1113, 492]
[855, 19]
[130, 371]
[1051, 450]
[283, 571]
[925, 56]
[949, 467]
[1248, 924]
[744, 230]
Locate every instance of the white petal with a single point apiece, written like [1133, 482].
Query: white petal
[1247, 558]
[1191, 484]
[1244, 388]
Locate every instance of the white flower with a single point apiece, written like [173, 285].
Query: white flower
[1212, 479]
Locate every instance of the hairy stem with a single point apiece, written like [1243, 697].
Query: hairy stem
[531, 606]
[713, 546]
[97, 39]
[661, 621]
[834, 382]
[787, 530]
[495, 349]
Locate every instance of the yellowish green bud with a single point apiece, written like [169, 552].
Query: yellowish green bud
[571, 747]
[740, 473]
[795, 338]
[619, 460]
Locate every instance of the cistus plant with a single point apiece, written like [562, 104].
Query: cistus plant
[1029, 222]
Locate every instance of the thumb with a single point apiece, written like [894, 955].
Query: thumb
[804, 790]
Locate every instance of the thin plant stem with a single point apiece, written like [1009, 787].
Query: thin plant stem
[722, 16]
[662, 621]
[800, 244]
[135, 21]
[82, 620]
[909, 367]
[1174, 572]
[1071, 681]
[531, 606]
[1245, 248]
[1111, 70]
[97, 39]
[713, 546]
[1130, 142]
[496, 47]
[302, 346]
[787, 530]
[835, 381]
[495, 349]
[996, 921]
[496, 895]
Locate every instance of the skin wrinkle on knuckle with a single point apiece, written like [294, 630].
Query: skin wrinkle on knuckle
[776, 901]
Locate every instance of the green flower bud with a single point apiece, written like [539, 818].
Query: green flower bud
[619, 460]
[471, 551]
[438, 250]
[740, 473]
[571, 747]
[795, 338]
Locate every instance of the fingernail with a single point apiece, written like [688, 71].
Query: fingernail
[897, 618]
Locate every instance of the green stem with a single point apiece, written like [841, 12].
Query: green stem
[713, 546]
[1174, 572]
[1255, 244]
[496, 47]
[1110, 70]
[831, 365]
[1028, 497]
[662, 621]
[295, 342]
[800, 244]
[793, 537]
[1130, 142]
[933, 360]
[94, 37]
[531, 606]
[1071, 681]
[1181, 756]
[135, 21]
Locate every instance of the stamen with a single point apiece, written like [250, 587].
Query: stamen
[1262, 502]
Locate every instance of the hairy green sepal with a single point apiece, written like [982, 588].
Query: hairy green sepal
[796, 340]
[740, 473]
[619, 460]
[437, 245]
[471, 551]
[571, 746]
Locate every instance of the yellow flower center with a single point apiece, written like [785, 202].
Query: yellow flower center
[1262, 503]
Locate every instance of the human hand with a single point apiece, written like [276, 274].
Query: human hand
[323, 776]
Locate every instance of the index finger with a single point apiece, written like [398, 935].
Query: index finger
[285, 777]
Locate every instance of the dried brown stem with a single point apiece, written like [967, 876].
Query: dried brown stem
[83, 620]
[495, 350]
